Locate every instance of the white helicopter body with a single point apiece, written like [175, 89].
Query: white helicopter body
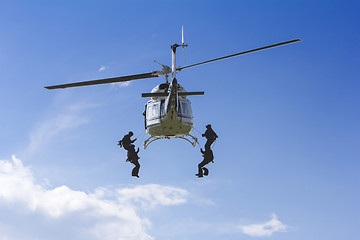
[168, 120]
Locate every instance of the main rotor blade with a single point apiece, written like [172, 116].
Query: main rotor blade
[241, 53]
[107, 80]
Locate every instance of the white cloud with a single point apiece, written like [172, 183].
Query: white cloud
[264, 229]
[103, 214]
[152, 195]
[102, 68]
[121, 84]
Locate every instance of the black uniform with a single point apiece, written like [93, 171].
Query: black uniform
[134, 159]
[126, 142]
[210, 136]
[208, 157]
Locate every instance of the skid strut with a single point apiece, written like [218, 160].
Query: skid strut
[193, 140]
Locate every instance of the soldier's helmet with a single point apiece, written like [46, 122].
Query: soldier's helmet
[208, 126]
[131, 133]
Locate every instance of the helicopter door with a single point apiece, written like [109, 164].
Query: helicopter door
[153, 113]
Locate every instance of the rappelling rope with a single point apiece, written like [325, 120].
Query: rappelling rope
[213, 145]
[142, 137]
[197, 130]
[200, 135]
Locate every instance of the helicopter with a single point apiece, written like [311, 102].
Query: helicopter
[168, 113]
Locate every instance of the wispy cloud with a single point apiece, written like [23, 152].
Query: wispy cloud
[264, 229]
[51, 127]
[122, 84]
[152, 195]
[102, 68]
[103, 214]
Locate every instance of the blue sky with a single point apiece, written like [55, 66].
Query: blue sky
[287, 158]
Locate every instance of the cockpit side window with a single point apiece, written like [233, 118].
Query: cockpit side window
[153, 111]
[162, 108]
[185, 109]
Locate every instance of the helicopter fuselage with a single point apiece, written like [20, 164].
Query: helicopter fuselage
[168, 116]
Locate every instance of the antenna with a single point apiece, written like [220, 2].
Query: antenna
[183, 42]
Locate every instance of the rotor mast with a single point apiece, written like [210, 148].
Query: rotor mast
[173, 58]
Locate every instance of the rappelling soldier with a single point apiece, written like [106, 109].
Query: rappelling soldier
[208, 157]
[134, 159]
[210, 136]
[127, 143]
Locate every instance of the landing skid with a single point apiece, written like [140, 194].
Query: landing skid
[150, 140]
[193, 142]
[191, 139]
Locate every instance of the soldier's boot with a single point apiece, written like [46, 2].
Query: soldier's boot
[200, 174]
[206, 171]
